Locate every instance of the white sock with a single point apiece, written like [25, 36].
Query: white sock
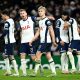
[15, 66]
[7, 64]
[71, 57]
[66, 62]
[37, 65]
[63, 61]
[78, 56]
[23, 66]
[52, 66]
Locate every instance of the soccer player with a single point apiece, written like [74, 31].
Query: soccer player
[74, 41]
[8, 34]
[46, 32]
[27, 33]
[63, 41]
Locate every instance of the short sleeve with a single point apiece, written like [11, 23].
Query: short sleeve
[71, 21]
[6, 25]
[34, 18]
[48, 23]
[58, 23]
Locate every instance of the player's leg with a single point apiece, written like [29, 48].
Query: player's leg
[78, 56]
[32, 52]
[40, 50]
[64, 58]
[7, 65]
[23, 63]
[37, 61]
[36, 58]
[11, 57]
[15, 66]
[66, 64]
[51, 63]
[71, 58]
[23, 58]
[69, 53]
[6, 59]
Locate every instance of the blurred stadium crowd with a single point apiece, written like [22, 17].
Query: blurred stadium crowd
[54, 8]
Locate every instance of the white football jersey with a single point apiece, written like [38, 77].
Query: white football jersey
[44, 31]
[73, 30]
[9, 26]
[27, 32]
[63, 34]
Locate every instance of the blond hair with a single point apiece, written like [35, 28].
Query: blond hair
[42, 7]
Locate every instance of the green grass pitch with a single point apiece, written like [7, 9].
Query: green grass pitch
[59, 76]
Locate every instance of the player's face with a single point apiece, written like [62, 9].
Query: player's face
[23, 14]
[41, 12]
[64, 17]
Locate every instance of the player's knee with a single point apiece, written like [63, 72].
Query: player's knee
[48, 56]
[33, 57]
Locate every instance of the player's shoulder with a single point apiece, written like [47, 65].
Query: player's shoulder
[10, 20]
[58, 21]
[21, 21]
[72, 20]
[48, 22]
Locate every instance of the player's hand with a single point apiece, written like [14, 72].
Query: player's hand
[62, 43]
[55, 44]
[30, 43]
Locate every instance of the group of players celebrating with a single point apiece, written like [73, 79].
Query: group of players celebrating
[67, 39]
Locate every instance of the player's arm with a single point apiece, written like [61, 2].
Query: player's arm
[6, 29]
[58, 24]
[79, 29]
[35, 37]
[18, 26]
[51, 17]
[39, 18]
[51, 31]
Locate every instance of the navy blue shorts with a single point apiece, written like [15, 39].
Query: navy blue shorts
[9, 49]
[45, 47]
[63, 48]
[25, 48]
[75, 44]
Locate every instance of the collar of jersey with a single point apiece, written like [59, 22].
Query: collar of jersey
[43, 18]
[25, 19]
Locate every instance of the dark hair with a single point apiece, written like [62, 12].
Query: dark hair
[66, 13]
[5, 12]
